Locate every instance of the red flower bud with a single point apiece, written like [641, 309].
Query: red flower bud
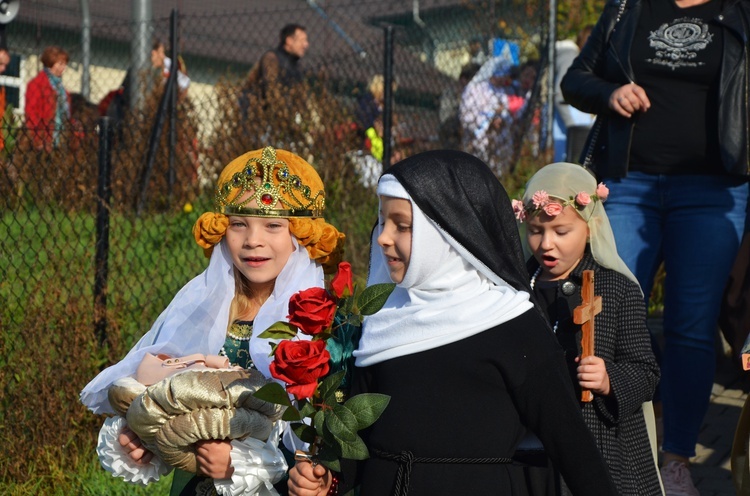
[342, 284]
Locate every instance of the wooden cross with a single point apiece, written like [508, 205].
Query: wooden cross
[584, 314]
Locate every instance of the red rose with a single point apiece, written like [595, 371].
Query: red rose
[300, 364]
[311, 310]
[342, 284]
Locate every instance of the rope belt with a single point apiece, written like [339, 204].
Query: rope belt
[406, 459]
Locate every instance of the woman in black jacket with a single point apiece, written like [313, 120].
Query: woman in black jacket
[669, 82]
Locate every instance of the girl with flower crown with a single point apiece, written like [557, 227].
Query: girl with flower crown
[567, 231]
[459, 347]
[266, 241]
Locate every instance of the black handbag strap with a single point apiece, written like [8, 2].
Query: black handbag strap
[598, 124]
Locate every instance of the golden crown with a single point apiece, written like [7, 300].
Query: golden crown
[277, 185]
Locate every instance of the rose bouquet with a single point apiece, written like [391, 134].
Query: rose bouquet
[332, 318]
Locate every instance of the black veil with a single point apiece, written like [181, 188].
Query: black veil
[461, 194]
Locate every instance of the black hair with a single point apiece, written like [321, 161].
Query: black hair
[468, 71]
[288, 31]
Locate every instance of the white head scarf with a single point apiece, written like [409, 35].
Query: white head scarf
[446, 295]
[197, 318]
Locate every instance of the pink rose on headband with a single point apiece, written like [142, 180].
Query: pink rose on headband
[583, 198]
[540, 199]
[552, 209]
[518, 210]
[602, 191]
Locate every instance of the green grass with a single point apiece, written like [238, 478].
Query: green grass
[150, 259]
[90, 479]
[95, 481]
[48, 349]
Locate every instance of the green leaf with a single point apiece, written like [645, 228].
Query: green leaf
[374, 297]
[307, 410]
[329, 460]
[345, 305]
[355, 320]
[305, 432]
[329, 385]
[318, 422]
[273, 393]
[355, 449]
[342, 423]
[273, 348]
[279, 330]
[291, 414]
[323, 336]
[330, 442]
[367, 407]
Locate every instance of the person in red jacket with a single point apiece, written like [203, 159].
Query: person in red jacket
[47, 101]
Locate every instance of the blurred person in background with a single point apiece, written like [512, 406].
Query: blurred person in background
[276, 84]
[567, 116]
[278, 69]
[117, 102]
[476, 52]
[47, 101]
[370, 103]
[486, 118]
[449, 132]
[159, 60]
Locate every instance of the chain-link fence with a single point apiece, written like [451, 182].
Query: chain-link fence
[466, 75]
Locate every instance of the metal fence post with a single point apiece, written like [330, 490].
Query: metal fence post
[85, 49]
[155, 137]
[140, 48]
[174, 40]
[388, 95]
[547, 141]
[103, 194]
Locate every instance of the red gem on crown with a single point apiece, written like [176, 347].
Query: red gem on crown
[266, 199]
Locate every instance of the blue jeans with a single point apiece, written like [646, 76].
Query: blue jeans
[693, 224]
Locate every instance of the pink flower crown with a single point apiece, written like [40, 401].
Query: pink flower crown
[541, 202]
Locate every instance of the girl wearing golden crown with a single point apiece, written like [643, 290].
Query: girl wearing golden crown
[266, 240]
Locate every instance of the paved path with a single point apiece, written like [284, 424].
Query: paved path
[711, 466]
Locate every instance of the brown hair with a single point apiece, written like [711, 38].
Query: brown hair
[53, 54]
